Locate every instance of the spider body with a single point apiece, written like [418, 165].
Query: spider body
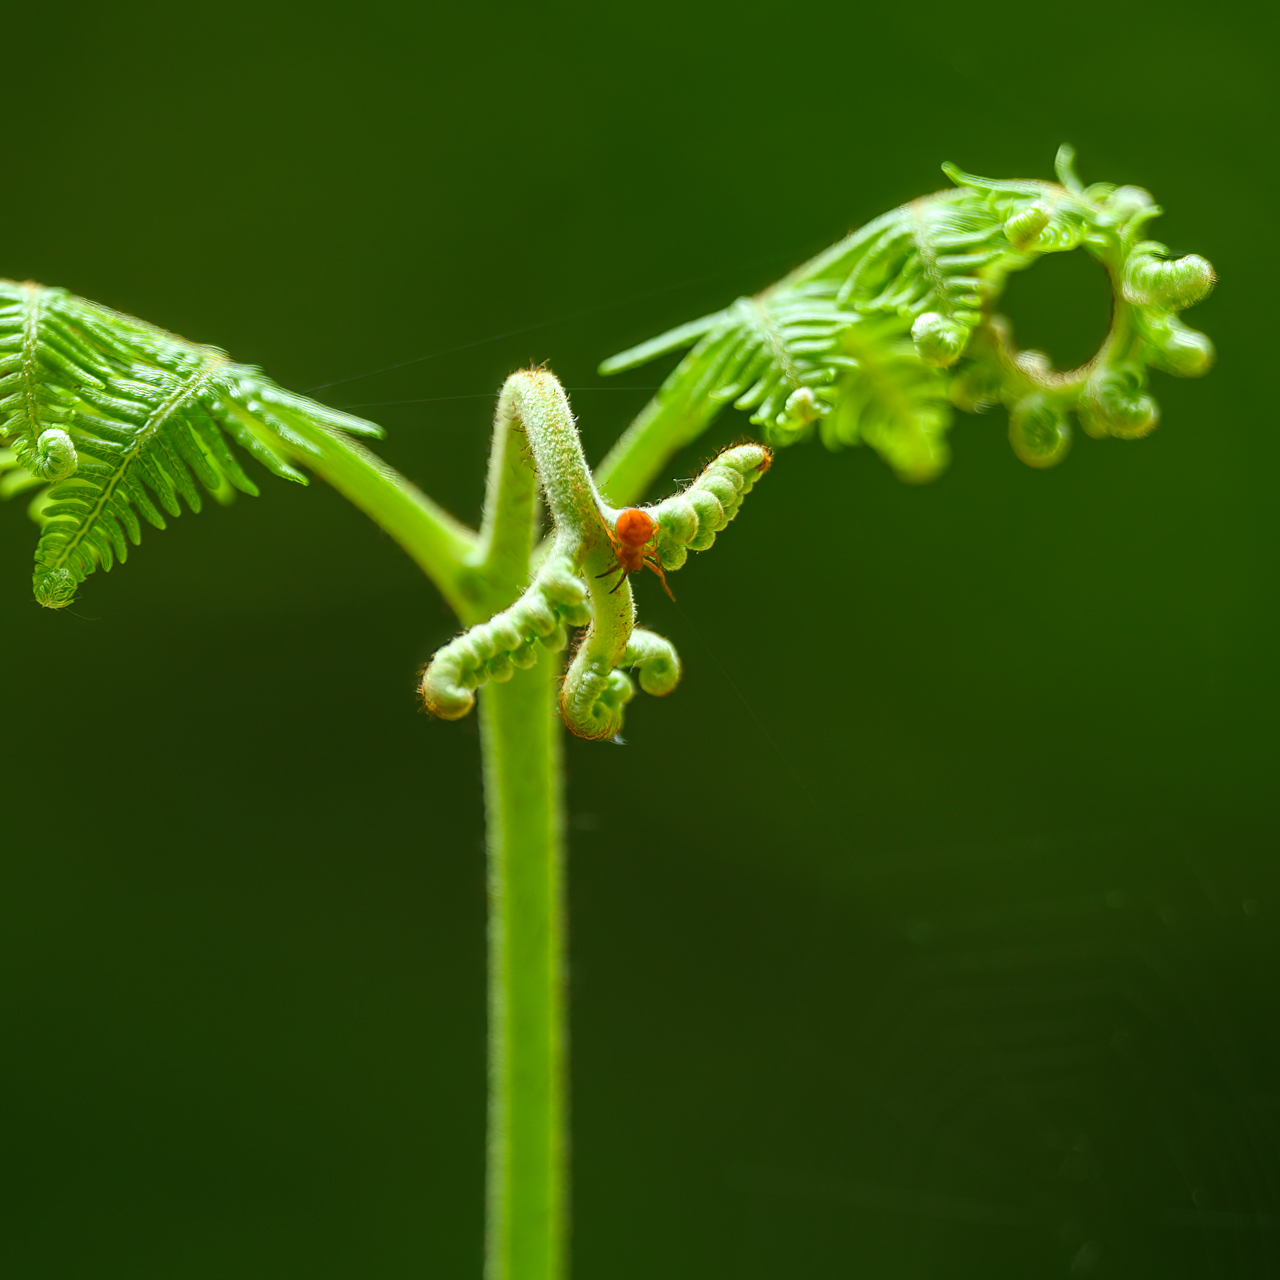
[631, 538]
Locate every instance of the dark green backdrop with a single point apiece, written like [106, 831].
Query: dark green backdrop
[948, 948]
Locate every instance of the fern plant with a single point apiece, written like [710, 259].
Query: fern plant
[874, 342]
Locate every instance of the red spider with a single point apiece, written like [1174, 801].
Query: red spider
[635, 530]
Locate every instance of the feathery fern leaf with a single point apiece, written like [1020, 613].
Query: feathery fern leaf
[892, 401]
[833, 336]
[794, 355]
[775, 356]
[829, 343]
[44, 357]
[126, 420]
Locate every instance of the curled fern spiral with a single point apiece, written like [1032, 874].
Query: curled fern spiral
[876, 340]
[55, 454]
[555, 601]
[577, 583]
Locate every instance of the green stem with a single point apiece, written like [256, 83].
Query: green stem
[527, 1218]
[527, 1194]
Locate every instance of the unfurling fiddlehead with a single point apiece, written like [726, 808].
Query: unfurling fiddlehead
[874, 341]
[534, 433]
[555, 601]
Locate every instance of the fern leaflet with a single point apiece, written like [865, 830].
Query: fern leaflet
[126, 420]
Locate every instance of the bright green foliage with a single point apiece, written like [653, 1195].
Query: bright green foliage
[874, 341]
[556, 600]
[536, 443]
[124, 419]
[596, 687]
[515, 621]
[689, 520]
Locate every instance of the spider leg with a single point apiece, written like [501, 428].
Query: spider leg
[654, 564]
[612, 569]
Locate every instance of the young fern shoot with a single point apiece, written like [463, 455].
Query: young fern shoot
[877, 339]
[874, 342]
[571, 586]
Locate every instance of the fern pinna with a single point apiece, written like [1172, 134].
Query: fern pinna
[123, 419]
[876, 340]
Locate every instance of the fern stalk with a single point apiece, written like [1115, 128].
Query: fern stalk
[526, 1229]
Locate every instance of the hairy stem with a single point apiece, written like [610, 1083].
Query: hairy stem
[534, 401]
[527, 1176]
[527, 1218]
[511, 494]
[527, 1194]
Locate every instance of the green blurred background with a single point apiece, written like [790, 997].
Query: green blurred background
[930, 930]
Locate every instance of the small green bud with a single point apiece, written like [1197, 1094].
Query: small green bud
[1177, 284]
[55, 588]
[1114, 404]
[1039, 432]
[55, 455]
[673, 555]
[1124, 202]
[500, 668]
[1184, 352]
[1023, 228]
[939, 341]
[802, 408]
[657, 660]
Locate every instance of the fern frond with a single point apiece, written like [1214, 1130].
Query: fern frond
[932, 260]
[770, 356]
[795, 359]
[893, 402]
[43, 358]
[126, 420]
[584, 579]
[828, 344]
